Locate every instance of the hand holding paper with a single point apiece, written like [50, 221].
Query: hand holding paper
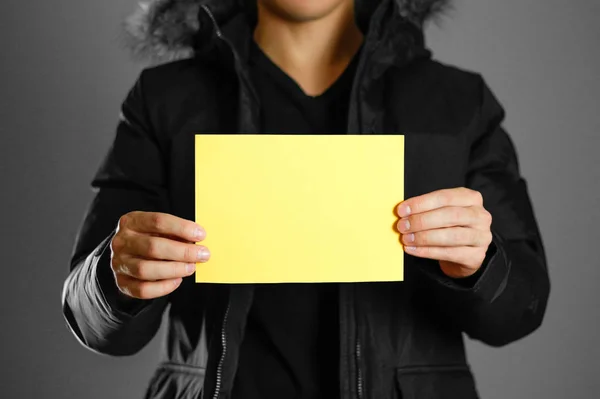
[152, 251]
[450, 225]
[299, 208]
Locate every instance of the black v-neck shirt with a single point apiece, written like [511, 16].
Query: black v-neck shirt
[291, 343]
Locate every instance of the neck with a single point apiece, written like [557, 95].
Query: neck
[313, 53]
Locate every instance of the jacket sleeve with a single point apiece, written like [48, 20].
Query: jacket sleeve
[505, 300]
[131, 177]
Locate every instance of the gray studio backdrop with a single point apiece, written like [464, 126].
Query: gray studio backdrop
[63, 76]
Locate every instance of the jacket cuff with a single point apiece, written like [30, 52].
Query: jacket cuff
[486, 284]
[116, 302]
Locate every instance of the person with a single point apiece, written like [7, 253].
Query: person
[474, 258]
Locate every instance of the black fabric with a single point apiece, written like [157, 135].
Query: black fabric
[291, 344]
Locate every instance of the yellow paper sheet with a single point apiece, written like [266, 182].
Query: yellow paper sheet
[299, 208]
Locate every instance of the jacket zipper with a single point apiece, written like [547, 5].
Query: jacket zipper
[358, 369]
[214, 21]
[223, 353]
[219, 376]
[368, 52]
[229, 45]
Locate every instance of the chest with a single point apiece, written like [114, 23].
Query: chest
[436, 131]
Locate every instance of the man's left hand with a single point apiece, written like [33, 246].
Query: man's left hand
[449, 225]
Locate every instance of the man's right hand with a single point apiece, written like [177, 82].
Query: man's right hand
[152, 252]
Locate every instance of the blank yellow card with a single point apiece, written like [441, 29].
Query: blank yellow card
[299, 208]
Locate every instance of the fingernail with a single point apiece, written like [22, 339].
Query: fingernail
[410, 237]
[200, 233]
[411, 248]
[176, 282]
[203, 254]
[404, 225]
[190, 268]
[404, 211]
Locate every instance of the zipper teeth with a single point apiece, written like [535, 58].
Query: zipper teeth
[223, 334]
[358, 369]
[214, 21]
[222, 359]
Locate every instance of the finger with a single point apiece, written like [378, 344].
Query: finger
[448, 237]
[457, 196]
[152, 270]
[160, 248]
[146, 289]
[165, 224]
[439, 218]
[468, 256]
[170, 237]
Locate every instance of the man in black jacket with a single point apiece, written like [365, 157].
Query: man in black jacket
[474, 259]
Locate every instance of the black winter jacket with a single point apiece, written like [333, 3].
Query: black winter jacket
[397, 340]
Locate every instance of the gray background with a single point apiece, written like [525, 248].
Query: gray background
[63, 77]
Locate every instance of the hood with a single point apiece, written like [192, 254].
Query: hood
[164, 30]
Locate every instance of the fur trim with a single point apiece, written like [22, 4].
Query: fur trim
[419, 11]
[163, 30]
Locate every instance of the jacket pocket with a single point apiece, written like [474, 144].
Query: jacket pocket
[176, 381]
[436, 382]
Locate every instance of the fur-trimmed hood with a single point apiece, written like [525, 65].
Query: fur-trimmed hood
[164, 30]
